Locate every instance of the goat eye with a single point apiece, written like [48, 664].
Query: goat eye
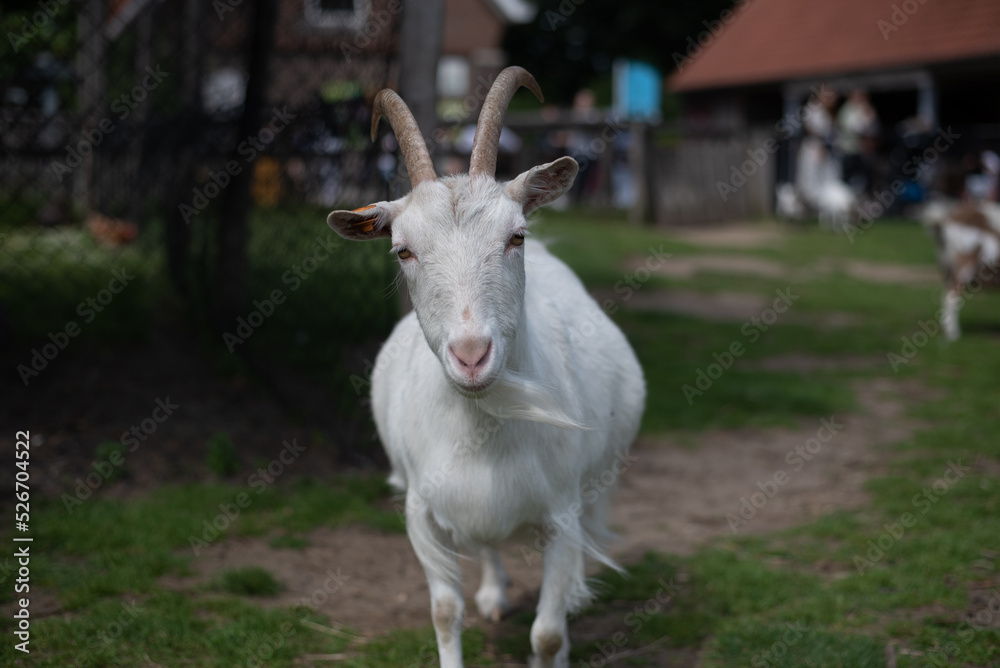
[404, 254]
[517, 239]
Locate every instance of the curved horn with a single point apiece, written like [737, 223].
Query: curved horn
[487, 139]
[411, 142]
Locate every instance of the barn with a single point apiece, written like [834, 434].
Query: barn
[745, 78]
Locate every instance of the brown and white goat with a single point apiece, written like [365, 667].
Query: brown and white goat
[967, 236]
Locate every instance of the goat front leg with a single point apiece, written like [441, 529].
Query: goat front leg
[951, 304]
[564, 589]
[436, 552]
[491, 599]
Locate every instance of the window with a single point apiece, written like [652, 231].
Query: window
[346, 14]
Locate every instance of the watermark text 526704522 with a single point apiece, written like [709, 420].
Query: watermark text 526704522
[22, 551]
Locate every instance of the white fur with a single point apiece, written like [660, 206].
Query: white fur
[788, 204]
[565, 400]
[835, 202]
[955, 241]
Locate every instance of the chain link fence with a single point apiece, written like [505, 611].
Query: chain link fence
[180, 156]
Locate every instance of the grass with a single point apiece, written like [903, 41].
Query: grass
[250, 581]
[834, 592]
[222, 458]
[171, 628]
[333, 296]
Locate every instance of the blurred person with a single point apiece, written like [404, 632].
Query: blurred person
[982, 176]
[816, 163]
[578, 143]
[908, 141]
[857, 129]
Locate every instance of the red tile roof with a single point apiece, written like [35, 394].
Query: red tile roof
[776, 40]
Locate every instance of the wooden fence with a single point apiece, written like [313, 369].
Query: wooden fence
[695, 181]
[678, 179]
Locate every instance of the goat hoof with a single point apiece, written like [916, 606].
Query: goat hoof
[551, 651]
[492, 603]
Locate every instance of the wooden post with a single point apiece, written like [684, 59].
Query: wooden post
[420, 39]
[189, 40]
[92, 93]
[638, 162]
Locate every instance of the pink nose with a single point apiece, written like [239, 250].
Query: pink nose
[471, 353]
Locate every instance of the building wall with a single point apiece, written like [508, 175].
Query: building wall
[471, 25]
[377, 35]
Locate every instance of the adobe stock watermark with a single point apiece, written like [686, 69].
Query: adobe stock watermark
[60, 339]
[104, 469]
[47, 10]
[259, 481]
[377, 22]
[612, 129]
[103, 640]
[399, 180]
[265, 308]
[786, 127]
[123, 105]
[756, 158]
[389, 353]
[248, 149]
[772, 656]
[797, 458]
[569, 519]
[901, 13]
[624, 288]
[637, 618]
[333, 583]
[752, 330]
[562, 13]
[714, 28]
[987, 618]
[258, 650]
[419, 496]
[882, 200]
[223, 7]
[922, 501]
[942, 321]
[912, 344]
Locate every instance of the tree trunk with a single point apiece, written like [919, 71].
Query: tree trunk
[421, 35]
[234, 220]
[92, 93]
[420, 39]
[184, 155]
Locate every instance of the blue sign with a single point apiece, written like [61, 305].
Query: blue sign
[637, 90]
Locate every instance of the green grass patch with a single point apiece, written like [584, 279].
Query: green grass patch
[173, 629]
[249, 581]
[221, 457]
[105, 547]
[288, 542]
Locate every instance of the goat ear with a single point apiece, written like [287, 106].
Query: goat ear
[540, 185]
[369, 222]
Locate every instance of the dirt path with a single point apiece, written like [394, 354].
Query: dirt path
[674, 498]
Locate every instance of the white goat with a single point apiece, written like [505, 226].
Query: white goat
[506, 391]
[835, 202]
[967, 237]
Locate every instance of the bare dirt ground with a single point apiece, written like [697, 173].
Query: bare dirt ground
[674, 498]
[733, 235]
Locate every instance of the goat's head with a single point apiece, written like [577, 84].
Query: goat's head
[460, 240]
